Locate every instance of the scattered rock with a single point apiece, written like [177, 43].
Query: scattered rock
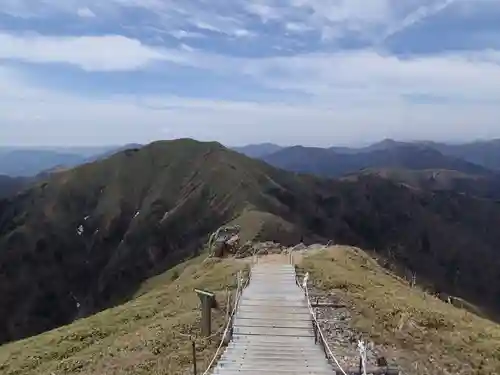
[342, 338]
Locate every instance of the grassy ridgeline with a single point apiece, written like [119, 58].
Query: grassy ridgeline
[139, 337]
[424, 334]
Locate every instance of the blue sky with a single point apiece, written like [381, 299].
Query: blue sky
[316, 72]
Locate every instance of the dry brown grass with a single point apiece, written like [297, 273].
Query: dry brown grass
[423, 334]
[140, 337]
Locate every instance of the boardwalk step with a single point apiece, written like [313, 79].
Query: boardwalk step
[303, 356]
[281, 317]
[254, 322]
[270, 371]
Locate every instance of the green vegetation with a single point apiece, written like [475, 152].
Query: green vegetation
[86, 239]
[486, 186]
[143, 336]
[422, 333]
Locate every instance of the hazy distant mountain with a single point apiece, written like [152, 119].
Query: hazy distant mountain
[329, 163]
[258, 150]
[485, 153]
[28, 162]
[112, 151]
[382, 145]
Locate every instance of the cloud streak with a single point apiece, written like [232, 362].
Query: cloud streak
[101, 53]
[417, 16]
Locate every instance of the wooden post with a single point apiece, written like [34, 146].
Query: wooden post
[206, 318]
[194, 357]
[207, 304]
[315, 332]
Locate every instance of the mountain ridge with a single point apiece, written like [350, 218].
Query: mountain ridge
[330, 163]
[485, 153]
[258, 150]
[84, 239]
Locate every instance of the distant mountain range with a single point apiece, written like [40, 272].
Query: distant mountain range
[330, 163]
[482, 153]
[471, 168]
[28, 162]
[258, 150]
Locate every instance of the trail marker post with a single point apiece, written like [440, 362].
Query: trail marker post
[208, 303]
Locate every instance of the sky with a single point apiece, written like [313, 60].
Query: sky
[311, 72]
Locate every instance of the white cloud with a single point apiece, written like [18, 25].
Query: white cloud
[368, 75]
[473, 76]
[348, 94]
[334, 19]
[99, 53]
[297, 27]
[243, 33]
[347, 10]
[264, 11]
[206, 26]
[85, 13]
[354, 97]
[187, 48]
[183, 34]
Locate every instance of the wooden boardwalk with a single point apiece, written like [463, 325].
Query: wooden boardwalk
[272, 329]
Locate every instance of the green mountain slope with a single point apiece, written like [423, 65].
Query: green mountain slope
[421, 333]
[145, 336]
[85, 239]
[483, 186]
